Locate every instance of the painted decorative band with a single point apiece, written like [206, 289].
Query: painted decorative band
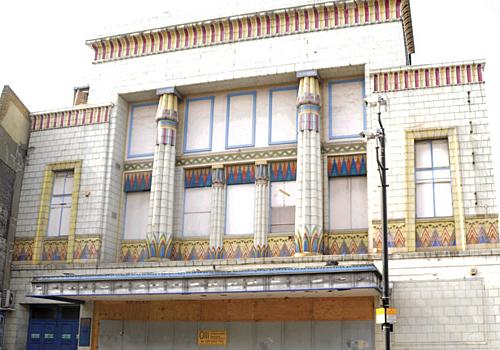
[296, 20]
[283, 171]
[137, 181]
[166, 133]
[309, 117]
[308, 98]
[170, 114]
[426, 77]
[351, 165]
[70, 118]
[240, 174]
[200, 177]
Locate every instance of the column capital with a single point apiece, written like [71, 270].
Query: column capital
[312, 73]
[168, 90]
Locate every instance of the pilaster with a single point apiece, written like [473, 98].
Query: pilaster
[261, 208]
[217, 214]
[309, 208]
[161, 203]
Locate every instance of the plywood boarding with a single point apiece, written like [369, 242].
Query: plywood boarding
[259, 310]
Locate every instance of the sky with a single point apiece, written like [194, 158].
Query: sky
[43, 55]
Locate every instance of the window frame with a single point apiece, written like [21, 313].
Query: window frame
[65, 195]
[330, 192]
[271, 206]
[433, 181]
[125, 215]
[186, 118]
[226, 234]
[228, 117]
[331, 83]
[207, 234]
[270, 117]
[129, 132]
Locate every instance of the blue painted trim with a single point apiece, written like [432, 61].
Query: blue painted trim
[270, 123]
[331, 135]
[210, 273]
[228, 109]
[130, 126]
[186, 116]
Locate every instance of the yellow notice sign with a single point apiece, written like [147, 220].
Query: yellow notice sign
[212, 338]
[380, 315]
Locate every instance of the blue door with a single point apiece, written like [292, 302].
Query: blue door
[53, 327]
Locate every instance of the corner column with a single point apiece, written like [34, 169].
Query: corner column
[261, 223]
[309, 207]
[217, 213]
[161, 203]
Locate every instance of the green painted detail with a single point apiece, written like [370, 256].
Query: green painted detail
[145, 165]
[35, 335]
[334, 149]
[48, 336]
[237, 157]
[66, 336]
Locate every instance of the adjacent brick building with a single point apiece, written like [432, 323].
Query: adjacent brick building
[210, 185]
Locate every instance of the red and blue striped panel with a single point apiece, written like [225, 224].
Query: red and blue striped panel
[240, 174]
[199, 177]
[351, 165]
[137, 182]
[283, 171]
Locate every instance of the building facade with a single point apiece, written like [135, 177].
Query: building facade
[14, 135]
[210, 187]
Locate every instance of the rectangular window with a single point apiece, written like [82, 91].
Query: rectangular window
[198, 122]
[283, 115]
[433, 179]
[240, 209]
[240, 119]
[197, 212]
[283, 194]
[142, 130]
[346, 108]
[60, 204]
[348, 203]
[136, 215]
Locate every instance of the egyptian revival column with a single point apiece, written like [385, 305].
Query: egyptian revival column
[161, 203]
[217, 212]
[309, 205]
[261, 209]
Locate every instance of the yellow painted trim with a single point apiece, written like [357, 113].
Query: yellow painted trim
[43, 211]
[413, 135]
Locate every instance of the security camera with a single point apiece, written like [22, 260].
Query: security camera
[367, 134]
[374, 100]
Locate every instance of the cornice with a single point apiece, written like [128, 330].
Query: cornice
[427, 76]
[294, 20]
[70, 117]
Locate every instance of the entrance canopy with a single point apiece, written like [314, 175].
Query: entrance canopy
[357, 280]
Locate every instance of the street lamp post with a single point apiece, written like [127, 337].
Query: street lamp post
[382, 169]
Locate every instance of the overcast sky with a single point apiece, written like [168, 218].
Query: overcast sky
[43, 53]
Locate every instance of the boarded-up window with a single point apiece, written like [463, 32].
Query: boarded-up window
[282, 115]
[240, 209]
[346, 108]
[136, 215]
[198, 124]
[197, 212]
[142, 130]
[348, 203]
[60, 204]
[240, 120]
